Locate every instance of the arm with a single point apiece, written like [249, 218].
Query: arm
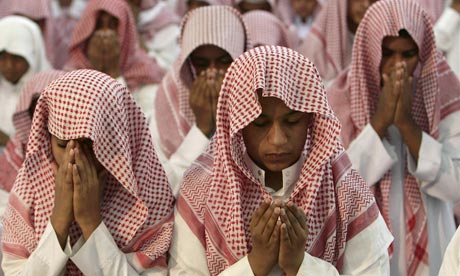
[371, 164]
[47, 259]
[437, 168]
[180, 160]
[451, 262]
[164, 46]
[446, 27]
[100, 255]
[367, 252]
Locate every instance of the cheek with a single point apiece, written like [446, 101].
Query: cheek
[58, 155]
[385, 66]
[412, 65]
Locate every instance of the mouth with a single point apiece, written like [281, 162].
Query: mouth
[277, 157]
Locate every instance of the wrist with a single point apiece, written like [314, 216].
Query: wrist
[88, 228]
[205, 130]
[379, 127]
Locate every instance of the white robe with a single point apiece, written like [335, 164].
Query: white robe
[193, 145]
[451, 263]
[365, 254]
[99, 255]
[447, 34]
[437, 172]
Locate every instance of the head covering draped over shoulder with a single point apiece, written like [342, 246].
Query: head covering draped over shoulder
[136, 66]
[38, 11]
[329, 42]
[14, 153]
[219, 26]
[137, 203]
[219, 193]
[22, 37]
[354, 98]
[265, 28]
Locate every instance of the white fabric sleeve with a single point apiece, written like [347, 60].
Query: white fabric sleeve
[100, 255]
[451, 262]
[193, 145]
[438, 166]
[445, 28]
[371, 156]
[47, 259]
[164, 46]
[186, 254]
[188, 257]
[367, 252]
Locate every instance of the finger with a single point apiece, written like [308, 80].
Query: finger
[272, 219]
[75, 177]
[275, 237]
[295, 222]
[68, 147]
[68, 176]
[81, 162]
[54, 167]
[91, 162]
[284, 234]
[299, 214]
[257, 215]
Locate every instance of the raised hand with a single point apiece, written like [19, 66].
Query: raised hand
[203, 101]
[63, 215]
[265, 229]
[88, 189]
[403, 112]
[388, 99]
[293, 238]
[103, 52]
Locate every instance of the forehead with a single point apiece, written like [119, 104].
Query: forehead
[208, 51]
[398, 43]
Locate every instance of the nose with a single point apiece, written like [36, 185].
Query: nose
[277, 135]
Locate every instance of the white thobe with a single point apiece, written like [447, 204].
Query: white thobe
[192, 146]
[447, 33]
[99, 255]
[164, 46]
[365, 254]
[451, 262]
[437, 172]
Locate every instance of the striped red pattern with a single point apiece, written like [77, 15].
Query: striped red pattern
[219, 193]
[181, 5]
[328, 43]
[136, 66]
[137, 205]
[220, 26]
[355, 94]
[13, 155]
[265, 28]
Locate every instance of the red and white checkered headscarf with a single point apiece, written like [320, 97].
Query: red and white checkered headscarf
[219, 196]
[433, 7]
[37, 10]
[13, 155]
[137, 204]
[220, 26]
[328, 43]
[354, 97]
[136, 66]
[287, 14]
[181, 5]
[265, 28]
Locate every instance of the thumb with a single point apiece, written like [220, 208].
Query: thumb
[55, 168]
